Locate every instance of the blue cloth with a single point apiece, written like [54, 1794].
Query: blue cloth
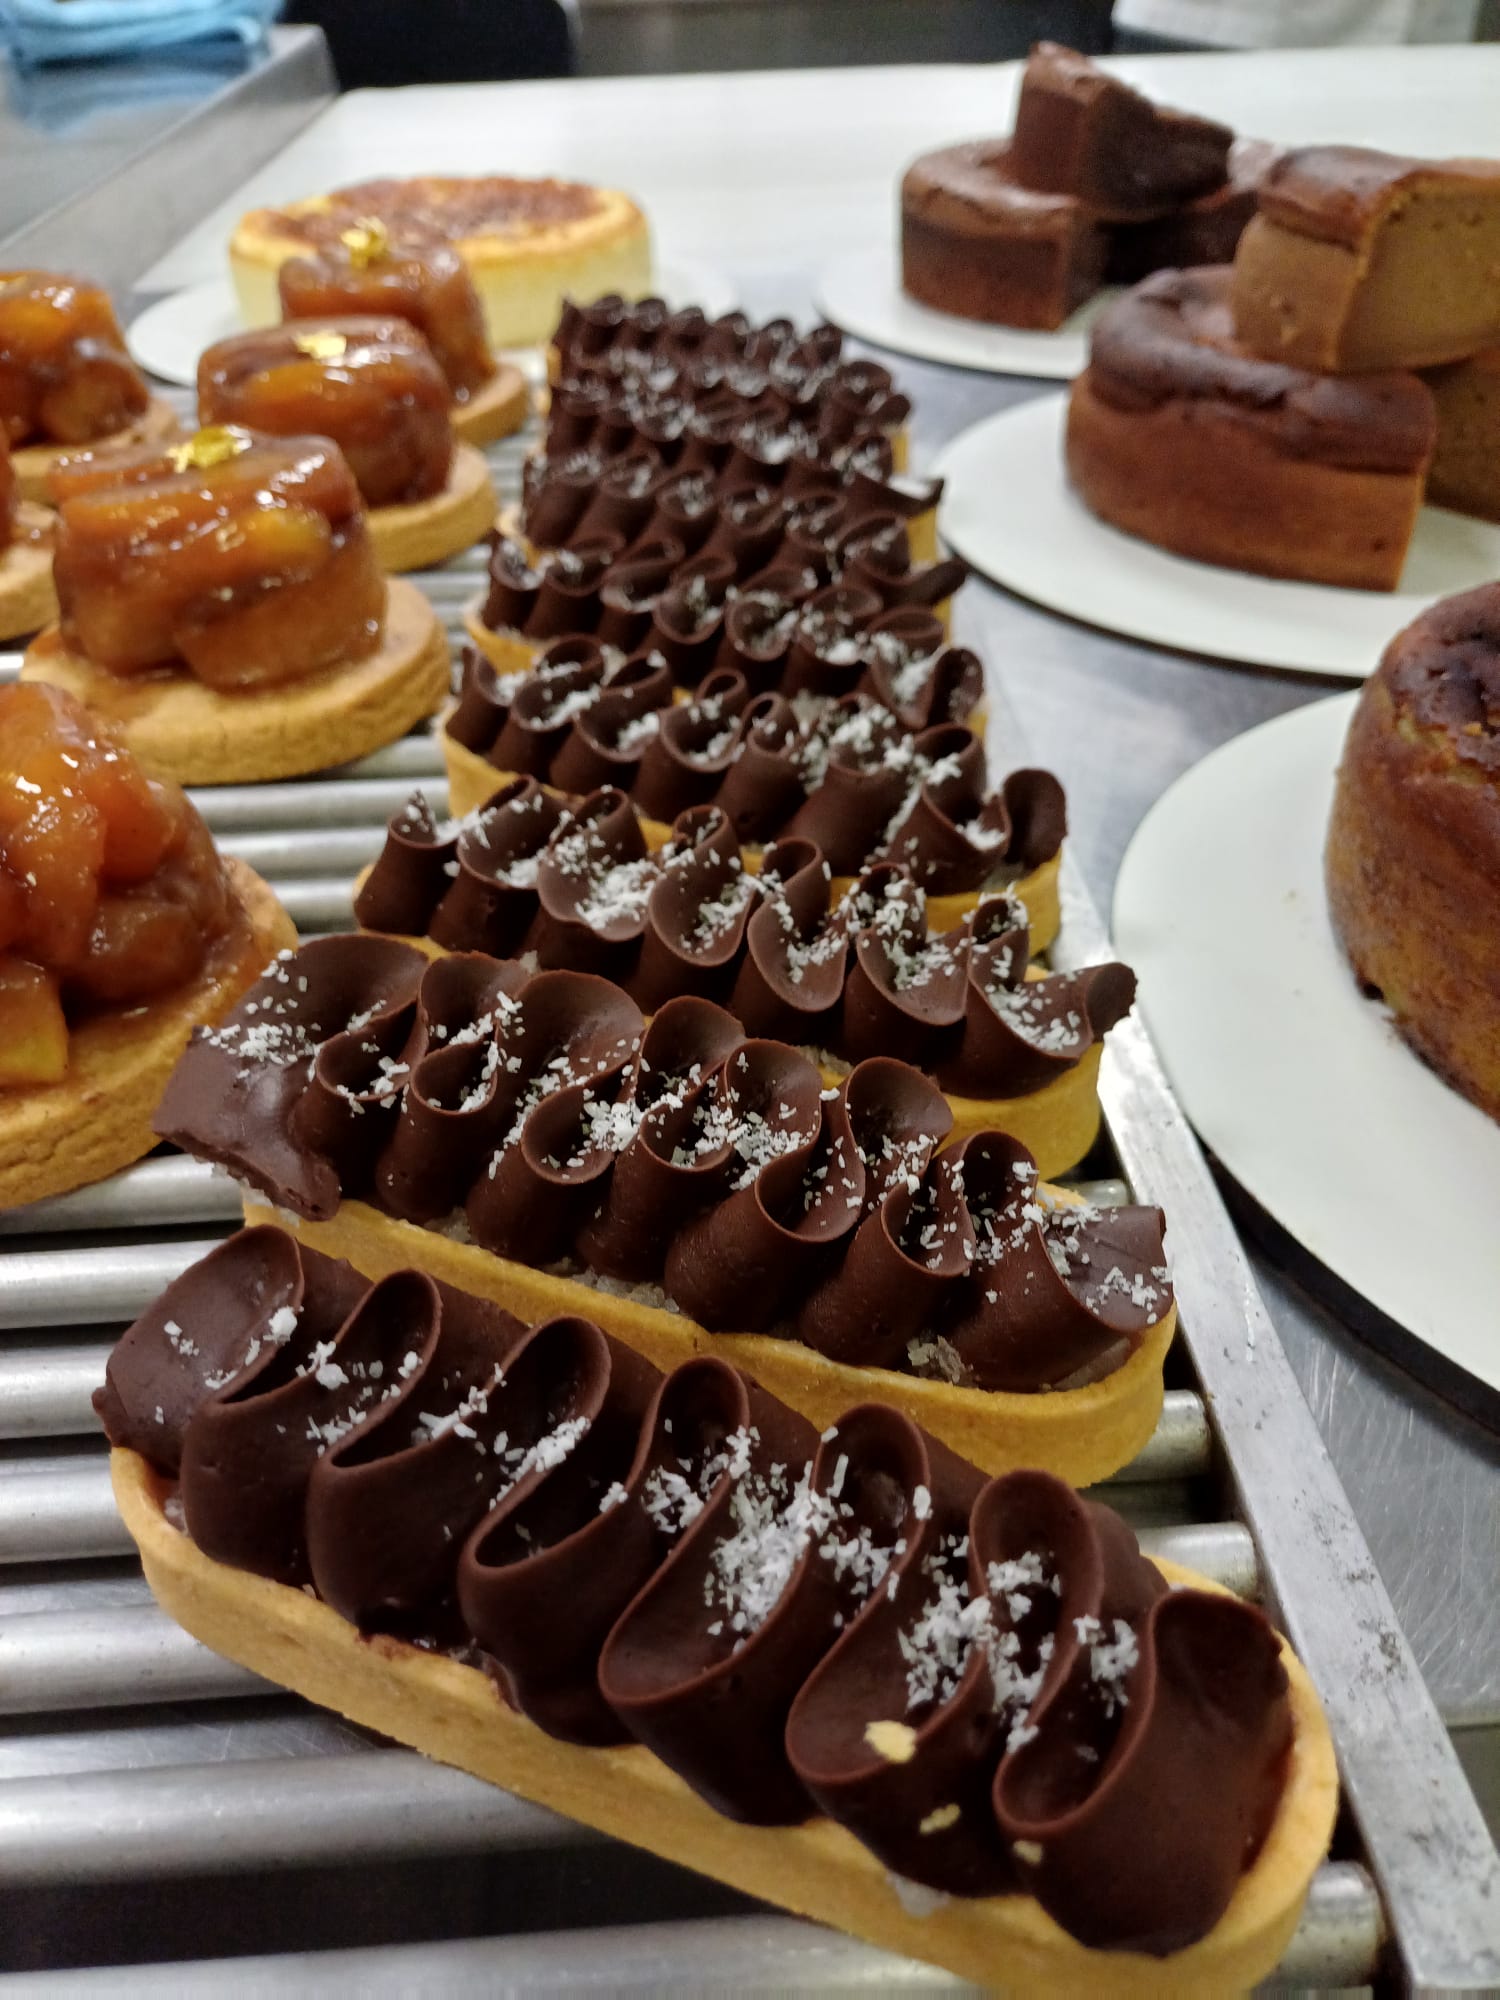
[47, 31]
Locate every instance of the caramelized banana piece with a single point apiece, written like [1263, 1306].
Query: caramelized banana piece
[65, 377]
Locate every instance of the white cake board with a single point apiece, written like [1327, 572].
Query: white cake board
[1295, 1080]
[1008, 509]
[861, 292]
[169, 336]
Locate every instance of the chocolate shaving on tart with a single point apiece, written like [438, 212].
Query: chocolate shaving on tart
[985, 1683]
[839, 768]
[574, 886]
[543, 1118]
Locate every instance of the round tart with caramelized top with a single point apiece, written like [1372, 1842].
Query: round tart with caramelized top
[374, 388]
[222, 603]
[424, 282]
[121, 930]
[528, 244]
[66, 381]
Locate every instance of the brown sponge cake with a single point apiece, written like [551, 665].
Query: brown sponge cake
[1413, 856]
[1178, 435]
[975, 242]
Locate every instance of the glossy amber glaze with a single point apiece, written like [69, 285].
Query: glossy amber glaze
[9, 496]
[369, 384]
[422, 282]
[111, 892]
[247, 560]
[65, 377]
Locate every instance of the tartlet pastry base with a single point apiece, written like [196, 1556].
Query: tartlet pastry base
[522, 277]
[454, 1714]
[28, 600]
[425, 532]
[182, 729]
[1080, 1434]
[33, 462]
[58, 1136]
[498, 410]
[472, 780]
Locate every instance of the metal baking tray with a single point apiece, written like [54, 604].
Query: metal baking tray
[133, 1758]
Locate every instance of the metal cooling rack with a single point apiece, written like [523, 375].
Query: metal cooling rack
[131, 1757]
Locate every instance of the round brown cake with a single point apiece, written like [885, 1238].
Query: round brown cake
[1413, 855]
[1179, 435]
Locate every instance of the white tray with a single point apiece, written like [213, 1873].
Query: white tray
[861, 292]
[169, 336]
[1008, 509]
[1296, 1081]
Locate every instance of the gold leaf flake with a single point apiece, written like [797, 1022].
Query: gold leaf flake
[215, 445]
[368, 241]
[320, 346]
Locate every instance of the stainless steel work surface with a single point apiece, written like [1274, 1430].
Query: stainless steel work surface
[241, 1822]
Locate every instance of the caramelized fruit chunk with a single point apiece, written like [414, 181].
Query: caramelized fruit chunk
[65, 377]
[246, 559]
[111, 891]
[369, 384]
[425, 283]
[33, 1030]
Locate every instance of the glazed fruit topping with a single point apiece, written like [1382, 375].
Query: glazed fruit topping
[111, 892]
[246, 559]
[65, 377]
[370, 384]
[421, 281]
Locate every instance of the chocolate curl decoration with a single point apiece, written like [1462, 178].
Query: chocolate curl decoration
[791, 980]
[1027, 1031]
[266, 1440]
[704, 1665]
[674, 1162]
[864, 785]
[410, 875]
[695, 743]
[592, 886]
[625, 500]
[748, 529]
[875, 554]
[390, 1506]
[233, 1096]
[913, 671]
[909, 1251]
[1053, 1299]
[826, 656]
[735, 1265]
[607, 741]
[211, 1325]
[1038, 813]
[490, 903]
[556, 490]
[684, 512]
[352, 1098]
[763, 786]
[514, 581]
[1121, 1857]
[686, 620]
[905, 990]
[631, 589]
[479, 714]
[695, 917]
[909, 1777]
[570, 1029]
[576, 1534]
[759, 625]
[568, 678]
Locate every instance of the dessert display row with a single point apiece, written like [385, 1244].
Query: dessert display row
[965, 1719]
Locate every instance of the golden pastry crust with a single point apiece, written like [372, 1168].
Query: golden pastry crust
[33, 462]
[28, 600]
[58, 1136]
[1080, 1434]
[421, 533]
[579, 242]
[182, 729]
[472, 780]
[496, 410]
[454, 1714]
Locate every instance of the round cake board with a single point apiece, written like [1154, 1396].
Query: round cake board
[169, 335]
[1008, 509]
[1295, 1080]
[861, 292]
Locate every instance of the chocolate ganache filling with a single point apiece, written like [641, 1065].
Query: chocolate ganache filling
[542, 1116]
[986, 1683]
[574, 887]
[844, 773]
